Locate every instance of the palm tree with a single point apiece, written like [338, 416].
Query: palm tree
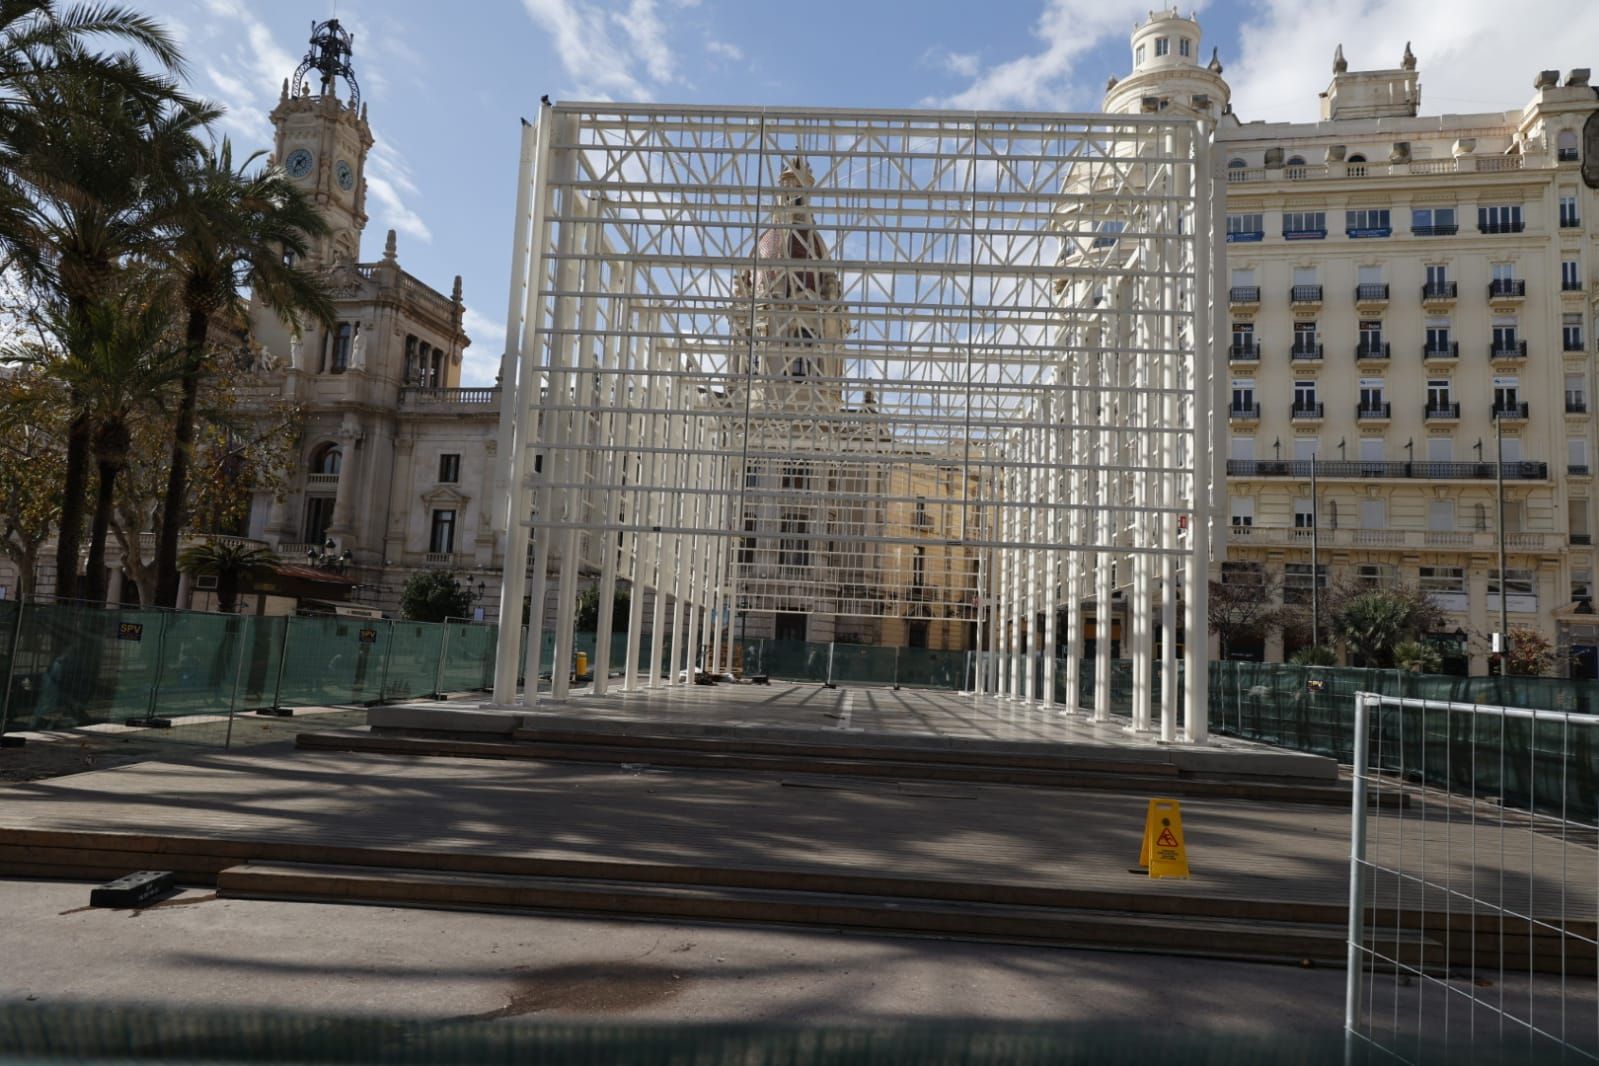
[84, 160]
[229, 230]
[120, 357]
[232, 562]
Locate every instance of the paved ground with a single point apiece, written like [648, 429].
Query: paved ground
[938, 830]
[199, 950]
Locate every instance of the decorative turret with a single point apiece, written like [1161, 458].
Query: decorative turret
[1354, 94]
[1340, 64]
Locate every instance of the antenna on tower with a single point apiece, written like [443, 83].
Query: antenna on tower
[331, 49]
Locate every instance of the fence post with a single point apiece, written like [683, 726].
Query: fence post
[829, 664]
[1357, 866]
[283, 658]
[11, 667]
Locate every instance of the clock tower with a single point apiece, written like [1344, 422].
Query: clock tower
[322, 139]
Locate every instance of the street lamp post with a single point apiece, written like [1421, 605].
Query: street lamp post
[1504, 593]
[1315, 558]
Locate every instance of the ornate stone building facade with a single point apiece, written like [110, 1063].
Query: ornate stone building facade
[1405, 290]
[396, 470]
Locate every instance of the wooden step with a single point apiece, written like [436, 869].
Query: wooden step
[1282, 941]
[1149, 779]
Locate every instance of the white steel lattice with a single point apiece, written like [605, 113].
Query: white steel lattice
[851, 366]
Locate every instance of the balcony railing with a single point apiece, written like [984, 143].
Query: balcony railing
[431, 397]
[1577, 469]
[1571, 344]
[321, 481]
[1501, 227]
[1434, 231]
[1374, 411]
[1507, 350]
[1305, 294]
[1243, 353]
[1372, 350]
[1304, 234]
[1244, 294]
[1440, 290]
[1442, 412]
[1451, 350]
[1507, 289]
[1570, 222]
[1570, 285]
[1371, 292]
[1576, 407]
[1511, 411]
[1360, 470]
[1300, 409]
[1304, 352]
[1565, 155]
[1581, 538]
[439, 559]
[1244, 411]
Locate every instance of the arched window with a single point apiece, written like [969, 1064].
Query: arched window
[1566, 146]
[1294, 169]
[1357, 158]
[411, 367]
[1236, 164]
[326, 459]
[1296, 161]
[436, 378]
[424, 365]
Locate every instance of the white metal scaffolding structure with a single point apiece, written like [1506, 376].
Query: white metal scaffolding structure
[845, 365]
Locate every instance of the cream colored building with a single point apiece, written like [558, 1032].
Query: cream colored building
[1404, 286]
[396, 460]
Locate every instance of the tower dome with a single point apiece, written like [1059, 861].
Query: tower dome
[1167, 70]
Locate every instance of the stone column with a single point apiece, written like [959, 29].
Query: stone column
[341, 529]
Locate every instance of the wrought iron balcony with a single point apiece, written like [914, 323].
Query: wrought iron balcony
[1582, 538]
[1507, 289]
[1244, 412]
[1570, 285]
[1304, 353]
[1509, 412]
[1305, 294]
[1370, 350]
[1362, 470]
[1244, 294]
[1436, 291]
[1434, 231]
[1570, 222]
[1371, 293]
[1450, 350]
[1571, 344]
[1374, 412]
[1577, 469]
[1576, 407]
[1301, 410]
[1501, 227]
[1441, 412]
[1243, 353]
[1498, 350]
[1565, 155]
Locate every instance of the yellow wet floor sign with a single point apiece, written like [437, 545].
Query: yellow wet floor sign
[1163, 853]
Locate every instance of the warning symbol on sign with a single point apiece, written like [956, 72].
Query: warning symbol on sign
[1163, 853]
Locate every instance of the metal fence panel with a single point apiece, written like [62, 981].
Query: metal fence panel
[1473, 901]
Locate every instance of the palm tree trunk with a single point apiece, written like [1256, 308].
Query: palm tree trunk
[94, 580]
[166, 549]
[69, 531]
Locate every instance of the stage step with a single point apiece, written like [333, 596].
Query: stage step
[897, 762]
[1261, 940]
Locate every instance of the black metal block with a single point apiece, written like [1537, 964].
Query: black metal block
[151, 722]
[134, 890]
[276, 712]
[11, 740]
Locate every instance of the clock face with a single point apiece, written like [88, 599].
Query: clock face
[298, 164]
[344, 175]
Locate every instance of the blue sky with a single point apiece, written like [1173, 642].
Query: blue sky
[447, 82]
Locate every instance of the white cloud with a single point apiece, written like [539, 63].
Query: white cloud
[643, 27]
[1474, 60]
[1067, 29]
[480, 364]
[388, 180]
[588, 51]
[725, 49]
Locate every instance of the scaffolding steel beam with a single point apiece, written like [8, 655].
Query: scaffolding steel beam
[871, 371]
